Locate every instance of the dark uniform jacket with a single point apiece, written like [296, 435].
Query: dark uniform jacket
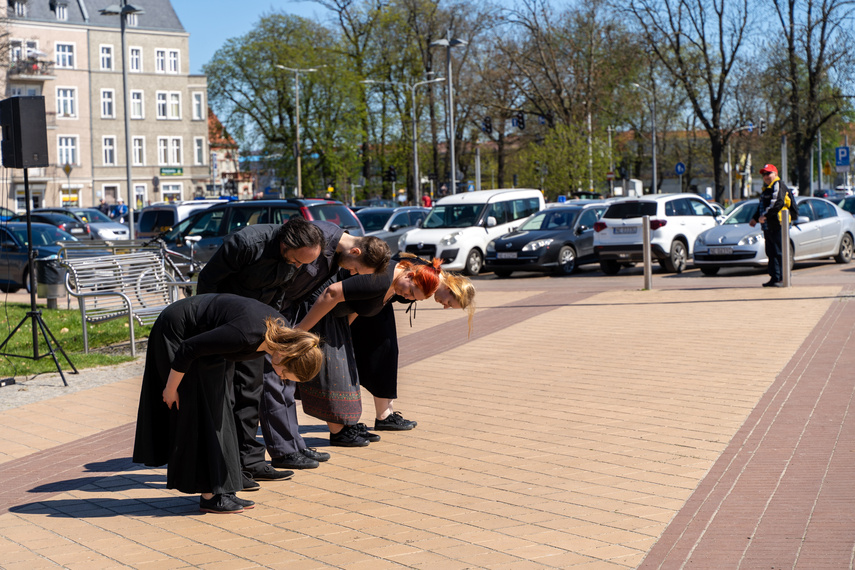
[772, 201]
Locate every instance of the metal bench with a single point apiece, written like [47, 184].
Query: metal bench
[135, 286]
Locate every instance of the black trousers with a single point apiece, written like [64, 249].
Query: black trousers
[248, 386]
[772, 235]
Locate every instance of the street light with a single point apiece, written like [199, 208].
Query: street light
[417, 187]
[449, 43]
[123, 10]
[653, 105]
[297, 121]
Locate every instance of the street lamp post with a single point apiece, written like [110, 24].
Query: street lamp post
[297, 120]
[653, 106]
[123, 10]
[417, 188]
[449, 43]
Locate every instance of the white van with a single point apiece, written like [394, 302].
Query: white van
[163, 216]
[459, 227]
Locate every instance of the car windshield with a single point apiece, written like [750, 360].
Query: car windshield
[453, 216]
[550, 221]
[93, 217]
[42, 235]
[622, 210]
[156, 220]
[373, 221]
[742, 213]
[6, 212]
[338, 214]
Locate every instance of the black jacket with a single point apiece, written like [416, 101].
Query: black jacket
[771, 203]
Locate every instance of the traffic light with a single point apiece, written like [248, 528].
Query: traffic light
[393, 175]
[520, 120]
[487, 126]
[762, 126]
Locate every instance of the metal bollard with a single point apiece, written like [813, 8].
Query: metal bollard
[785, 247]
[648, 262]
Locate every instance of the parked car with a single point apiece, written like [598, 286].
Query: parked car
[828, 194]
[163, 216]
[459, 227]
[389, 224]
[5, 214]
[213, 224]
[63, 221]
[557, 240]
[99, 226]
[848, 204]
[675, 221]
[822, 230]
[376, 203]
[14, 257]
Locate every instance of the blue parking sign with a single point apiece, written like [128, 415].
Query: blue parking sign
[841, 157]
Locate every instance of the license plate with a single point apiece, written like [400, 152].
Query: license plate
[77, 230]
[721, 251]
[506, 255]
[626, 230]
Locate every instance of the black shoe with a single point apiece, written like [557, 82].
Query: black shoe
[348, 437]
[248, 483]
[313, 453]
[772, 283]
[394, 422]
[363, 431]
[242, 502]
[294, 460]
[268, 473]
[220, 504]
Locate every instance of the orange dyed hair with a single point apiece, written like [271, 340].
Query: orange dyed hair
[425, 277]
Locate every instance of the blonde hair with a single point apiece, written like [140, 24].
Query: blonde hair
[463, 291]
[300, 351]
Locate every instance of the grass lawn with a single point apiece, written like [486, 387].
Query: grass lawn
[66, 326]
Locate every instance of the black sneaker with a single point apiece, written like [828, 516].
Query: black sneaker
[268, 473]
[248, 483]
[294, 460]
[771, 283]
[242, 502]
[394, 422]
[363, 431]
[220, 504]
[348, 437]
[313, 453]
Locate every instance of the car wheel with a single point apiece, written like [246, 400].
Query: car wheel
[474, 263]
[8, 288]
[676, 260]
[566, 261]
[610, 266]
[710, 270]
[502, 273]
[792, 257]
[845, 253]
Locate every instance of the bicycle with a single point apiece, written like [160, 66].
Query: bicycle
[193, 267]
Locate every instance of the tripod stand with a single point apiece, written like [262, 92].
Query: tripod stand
[34, 314]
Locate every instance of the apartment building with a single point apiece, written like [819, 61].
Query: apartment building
[70, 53]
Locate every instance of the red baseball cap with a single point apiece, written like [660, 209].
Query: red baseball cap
[769, 168]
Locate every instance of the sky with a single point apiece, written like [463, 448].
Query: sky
[211, 22]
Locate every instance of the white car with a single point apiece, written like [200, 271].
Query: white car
[459, 227]
[675, 221]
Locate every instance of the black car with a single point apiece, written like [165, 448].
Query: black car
[212, 225]
[555, 240]
[65, 222]
[14, 257]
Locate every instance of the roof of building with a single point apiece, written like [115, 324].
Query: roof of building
[159, 14]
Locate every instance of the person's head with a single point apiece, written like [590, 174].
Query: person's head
[364, 255]
[416, 282]
[456, 292]
[295, 354]
[300, 241]
[769, 173]
[121, 200]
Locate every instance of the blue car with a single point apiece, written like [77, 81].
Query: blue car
[5, 214]
[14, 259]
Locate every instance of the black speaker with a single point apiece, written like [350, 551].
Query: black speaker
[24, 124]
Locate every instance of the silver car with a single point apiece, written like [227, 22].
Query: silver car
[823, 230]
[389, 224]
[100, 226]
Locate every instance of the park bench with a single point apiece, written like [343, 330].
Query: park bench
[133, 285]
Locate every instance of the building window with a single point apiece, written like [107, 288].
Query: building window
[65, 56]
[21, 9]
[175, 151]
[175, 106]
[107, 58]
[162, 151]
[199, 150]
[21, 90]
[161, 105]
[133, 20]
[16, 50]
[137, 105]
[109, 146]
[197, 107]
[67, 150]
[173, 61]
[66, 105]
[108, 109]
[160, 61]
[135, 60]
[169, 151]
[61, 12]
[171, 192]
[139, 151]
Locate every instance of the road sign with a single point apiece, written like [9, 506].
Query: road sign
[610, 175]
[826, 168]
[750, 127]
[841, 157]
[562, 198]
[470, 186]
[67, 169]
[680, 169]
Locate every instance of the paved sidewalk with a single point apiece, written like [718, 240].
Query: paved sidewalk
[577, 427]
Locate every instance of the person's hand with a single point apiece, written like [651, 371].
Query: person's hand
[762, 219]
[170, 397]
[752, 222]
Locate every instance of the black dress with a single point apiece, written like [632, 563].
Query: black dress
[200, 336]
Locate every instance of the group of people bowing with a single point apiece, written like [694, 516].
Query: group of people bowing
[297, 311]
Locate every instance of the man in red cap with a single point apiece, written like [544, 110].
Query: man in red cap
[772, 201]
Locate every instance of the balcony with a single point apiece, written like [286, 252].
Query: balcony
[31, 68]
